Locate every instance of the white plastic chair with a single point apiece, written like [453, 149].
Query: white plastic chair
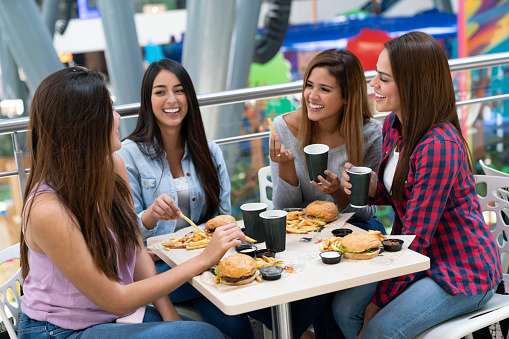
[9, 288]
[504, 194]
[497, 308]
[264, 183]
[491, 171]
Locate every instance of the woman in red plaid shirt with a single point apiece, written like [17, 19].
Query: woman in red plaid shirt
[426, 176]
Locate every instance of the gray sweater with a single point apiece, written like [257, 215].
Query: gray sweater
[285, 195]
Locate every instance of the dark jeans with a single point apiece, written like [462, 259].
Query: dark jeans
[372, 224]
[234, 326]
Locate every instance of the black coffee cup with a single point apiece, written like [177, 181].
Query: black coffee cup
[359, 178]
[317, 157]
[274, 225]
[252, 222]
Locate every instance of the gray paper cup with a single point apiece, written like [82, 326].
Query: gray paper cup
[317, 156]
[274, 224]
[359, 178]
[252, 222]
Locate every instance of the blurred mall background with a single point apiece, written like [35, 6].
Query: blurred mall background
[234, 46]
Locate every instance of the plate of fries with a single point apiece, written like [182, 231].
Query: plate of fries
[297, 222]
[191, 241]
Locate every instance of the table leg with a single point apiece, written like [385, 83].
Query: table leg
[281, 321]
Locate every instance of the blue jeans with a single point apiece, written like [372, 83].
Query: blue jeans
[234, 326]
[152, 327]
[421, 306]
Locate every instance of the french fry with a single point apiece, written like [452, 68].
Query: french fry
[190, 222]
[249, 239]
[190, 241]
[297, 222]
[197, 244]
[331, 244]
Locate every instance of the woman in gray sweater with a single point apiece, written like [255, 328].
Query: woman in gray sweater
[334, 112]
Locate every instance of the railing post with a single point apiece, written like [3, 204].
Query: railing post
[20, 167]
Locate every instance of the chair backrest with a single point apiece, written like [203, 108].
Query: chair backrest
[496, 201]
[10, 304]
[264, 183]
[491, 171]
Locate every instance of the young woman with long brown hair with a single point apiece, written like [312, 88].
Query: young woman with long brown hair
[334, 112]
[426, 175]
[82, 255]
[172, 168]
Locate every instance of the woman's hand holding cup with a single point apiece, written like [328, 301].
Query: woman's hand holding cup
[347, 186]
[330, 184]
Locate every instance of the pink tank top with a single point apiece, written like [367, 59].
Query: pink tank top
[49, 296]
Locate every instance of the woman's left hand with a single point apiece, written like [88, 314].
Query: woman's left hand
[330, 184]
[369, 313]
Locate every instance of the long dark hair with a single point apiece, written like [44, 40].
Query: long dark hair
[422, 75]
[347, 70]
[71, 119]
[147, 133]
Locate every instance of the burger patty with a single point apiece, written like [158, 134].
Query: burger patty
[234, 280]
[369, 250]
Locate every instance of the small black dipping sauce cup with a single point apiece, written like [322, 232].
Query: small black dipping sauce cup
[392, 245]
[330, 257]
[271, 272]
[341, 232]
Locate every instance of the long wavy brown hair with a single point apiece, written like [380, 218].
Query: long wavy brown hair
[147, 133]
[71, 119]
[347, 70]
[422, 75]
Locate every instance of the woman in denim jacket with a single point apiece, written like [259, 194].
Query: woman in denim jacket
[172, 168]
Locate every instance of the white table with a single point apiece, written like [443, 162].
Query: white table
[311, 276]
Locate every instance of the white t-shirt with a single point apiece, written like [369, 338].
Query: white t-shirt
[182, 188]
[390, 169]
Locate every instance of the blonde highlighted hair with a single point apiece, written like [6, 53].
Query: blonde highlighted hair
[347, 70]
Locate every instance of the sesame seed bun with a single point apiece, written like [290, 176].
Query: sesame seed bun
[220, 220]
[237, 269]
[325, 210]
[361, 245]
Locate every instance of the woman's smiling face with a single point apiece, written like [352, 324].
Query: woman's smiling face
[169, 100]
[322, 95]
[386, 90]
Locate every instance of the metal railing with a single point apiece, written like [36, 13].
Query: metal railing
[15, 126]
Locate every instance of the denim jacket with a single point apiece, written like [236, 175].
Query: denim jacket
[150, 178]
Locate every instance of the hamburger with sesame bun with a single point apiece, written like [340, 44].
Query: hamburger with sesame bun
[322, 210]
[220, 220]
[361, 245]
[237, 269]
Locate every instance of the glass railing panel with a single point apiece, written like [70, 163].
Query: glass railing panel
[244, 159]
[481, 82]
[10, 211]
[7, 162]
[487, 131]
[248, 117]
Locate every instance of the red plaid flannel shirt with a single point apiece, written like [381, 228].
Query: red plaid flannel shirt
[442, 209]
